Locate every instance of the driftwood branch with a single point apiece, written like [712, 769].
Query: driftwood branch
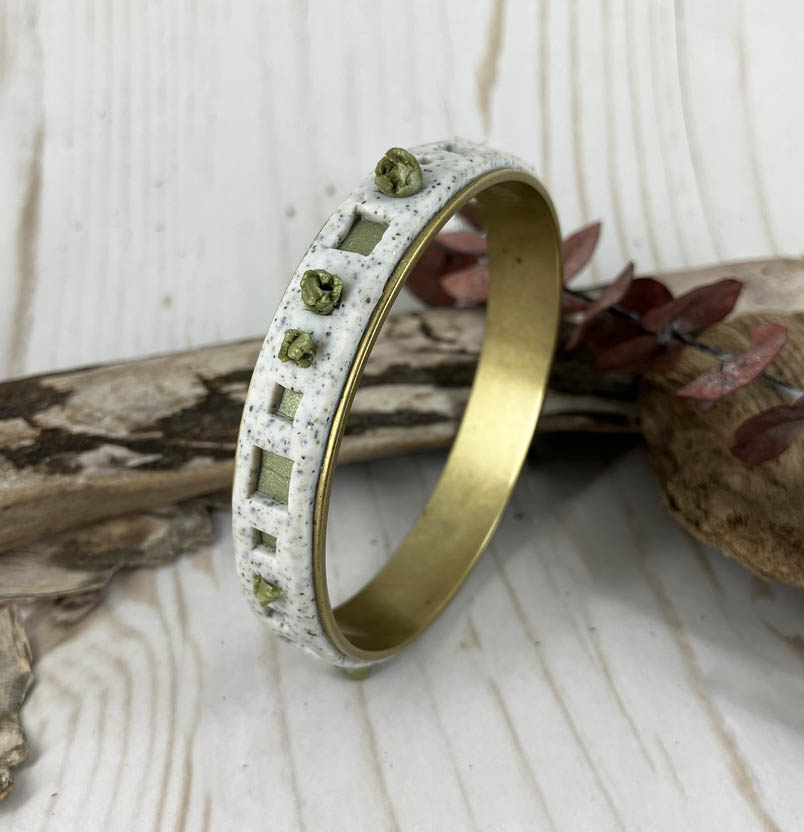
[80, 446]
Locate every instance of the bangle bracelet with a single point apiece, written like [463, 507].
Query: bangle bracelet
[309, 368]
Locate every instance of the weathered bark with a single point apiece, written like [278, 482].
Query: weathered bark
[15, 680]
[83, 560]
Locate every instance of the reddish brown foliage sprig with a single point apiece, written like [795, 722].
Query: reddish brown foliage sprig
[635, 324]
[767, 341]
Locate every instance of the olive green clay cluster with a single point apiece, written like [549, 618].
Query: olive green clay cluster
[321, 291]
[297, 346]
[397, 174]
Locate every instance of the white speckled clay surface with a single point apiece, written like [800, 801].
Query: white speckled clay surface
[447, 167]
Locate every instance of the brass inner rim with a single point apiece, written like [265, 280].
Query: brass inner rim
[472, 492]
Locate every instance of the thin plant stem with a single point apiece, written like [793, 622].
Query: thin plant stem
[687, 340]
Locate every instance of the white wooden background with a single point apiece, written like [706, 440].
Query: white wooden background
[162, 168]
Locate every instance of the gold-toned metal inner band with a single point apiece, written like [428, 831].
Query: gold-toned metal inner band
[465, 507]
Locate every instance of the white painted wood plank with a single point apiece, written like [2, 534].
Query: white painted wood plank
[165, 165]
[598, 670]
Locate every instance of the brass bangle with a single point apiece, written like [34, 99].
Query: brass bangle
[524, 249]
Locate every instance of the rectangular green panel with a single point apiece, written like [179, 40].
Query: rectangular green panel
[274, 479]
[268, 540]
[363, 236]
[288, 404]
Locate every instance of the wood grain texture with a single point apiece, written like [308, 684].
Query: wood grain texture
[163, 167]
[596, 651]
[158, 193]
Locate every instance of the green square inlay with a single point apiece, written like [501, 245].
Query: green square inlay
[264, 591]
[274, 479]
[268, 540]
[288, 404]
[363, 236]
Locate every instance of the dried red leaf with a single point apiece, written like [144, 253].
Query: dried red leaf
[765, 435]
[579, 248]
[469, 285]
[607, 331]
[571, 305]
[448, 270]
[609, 296]
[695, 310]
[457, 252]
[645, 293]
[767, 339]
[638, 355]
[425, 279]
[464, 242]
